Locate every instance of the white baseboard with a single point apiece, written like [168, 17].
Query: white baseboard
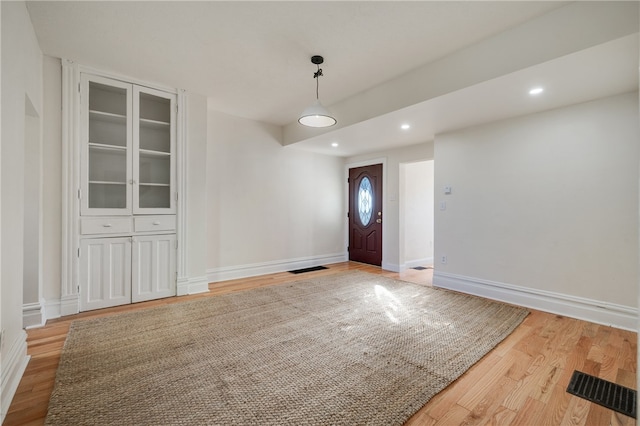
[52, 309]
[182, 286]
[252, 270]
[192, 285]
[12, 368]
[33, 315]
[619, 316]
[418, 262]
[390, 267]
[69, 305]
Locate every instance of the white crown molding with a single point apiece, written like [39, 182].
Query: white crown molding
[126, 79]
[254, 269]
[619, 316]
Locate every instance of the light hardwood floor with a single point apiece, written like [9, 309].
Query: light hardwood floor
[520, 382]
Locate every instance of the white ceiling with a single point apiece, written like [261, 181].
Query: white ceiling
[251, 59]
[603, 70]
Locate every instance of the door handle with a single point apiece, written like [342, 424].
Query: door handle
[379, 221]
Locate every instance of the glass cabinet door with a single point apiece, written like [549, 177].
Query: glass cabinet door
[154, 151]
[106, 146]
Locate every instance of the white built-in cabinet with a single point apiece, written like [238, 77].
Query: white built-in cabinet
[127, 192]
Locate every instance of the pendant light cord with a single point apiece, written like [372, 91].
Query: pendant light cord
[317, 75]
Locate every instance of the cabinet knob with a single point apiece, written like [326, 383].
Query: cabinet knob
[107, 225]
[156, 223]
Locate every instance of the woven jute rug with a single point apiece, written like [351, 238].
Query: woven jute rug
[344, 349]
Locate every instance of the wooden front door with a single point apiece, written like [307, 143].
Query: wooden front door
[365, 214]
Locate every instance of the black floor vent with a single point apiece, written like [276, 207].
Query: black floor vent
[313, 268]
[422, 268]
[602, 392]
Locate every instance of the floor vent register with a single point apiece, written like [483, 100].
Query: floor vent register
[313, 268]
[601, 392]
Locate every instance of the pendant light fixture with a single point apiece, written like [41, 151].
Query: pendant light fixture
[316, 115]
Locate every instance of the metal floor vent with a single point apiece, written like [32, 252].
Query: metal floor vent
[602, 392]
[313, 268]
[422, 268]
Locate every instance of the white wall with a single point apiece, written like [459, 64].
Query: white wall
[2, 411]
[21, 80]
[196, 144]
[416, 214]
[52, 178]
[269, 208]
[391, 235]
[545, 203]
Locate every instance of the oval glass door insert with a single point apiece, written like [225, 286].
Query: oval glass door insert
[365, 201]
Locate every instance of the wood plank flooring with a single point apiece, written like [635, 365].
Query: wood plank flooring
[520, 382]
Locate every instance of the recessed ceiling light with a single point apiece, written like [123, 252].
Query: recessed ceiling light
[335, 144]
[536, 91]
[405, 127]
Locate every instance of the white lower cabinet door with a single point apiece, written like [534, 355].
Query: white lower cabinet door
[153, 267]
[105, 272]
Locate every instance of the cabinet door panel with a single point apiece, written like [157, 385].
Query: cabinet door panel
[105, 272]
[154, 267]
[154, 153]
[106, 109]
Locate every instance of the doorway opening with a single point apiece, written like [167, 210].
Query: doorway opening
[417, 214]
[32, 212]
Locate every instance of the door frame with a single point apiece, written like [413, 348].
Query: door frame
[402, 213]
[371, 162]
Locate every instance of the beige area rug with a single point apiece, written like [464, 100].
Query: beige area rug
[345, 349]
